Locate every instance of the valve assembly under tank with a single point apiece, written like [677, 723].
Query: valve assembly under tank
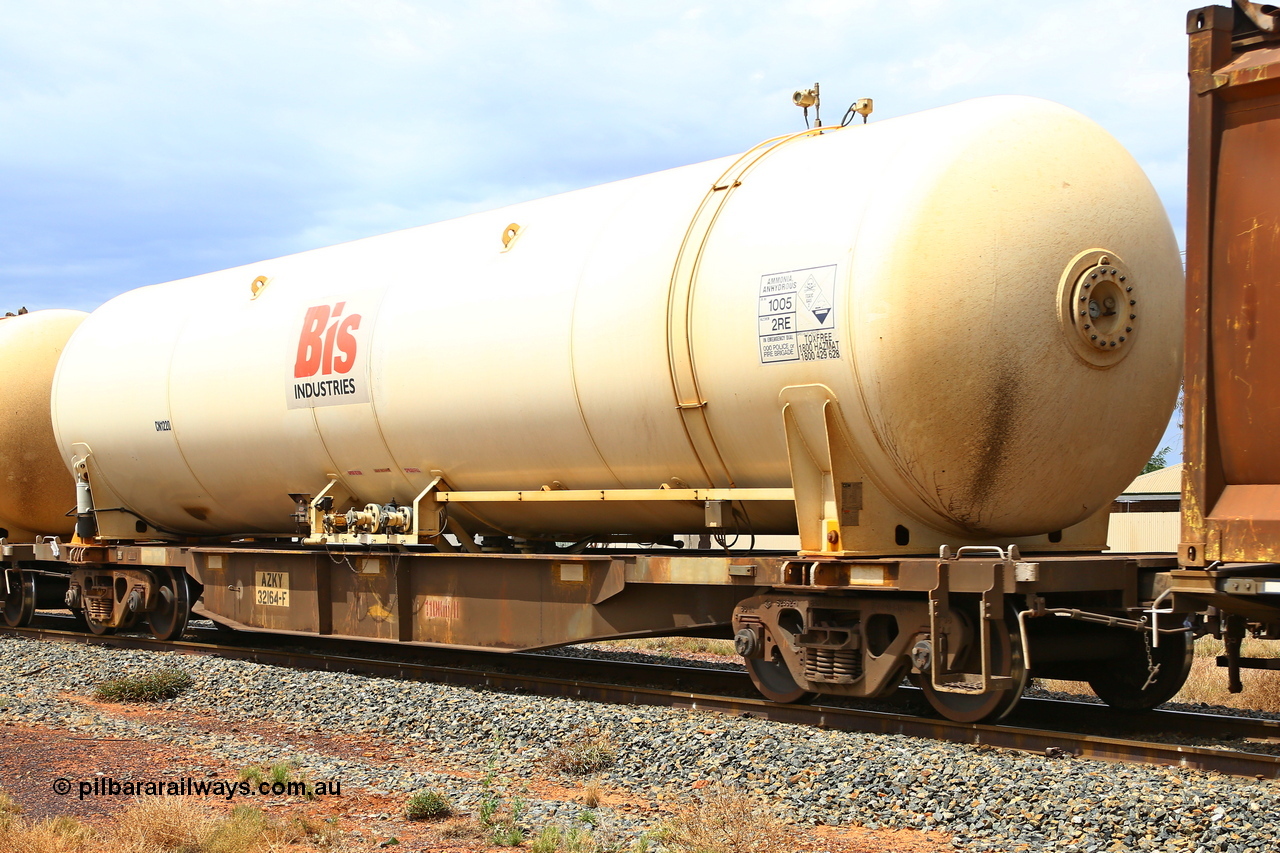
[958, 326]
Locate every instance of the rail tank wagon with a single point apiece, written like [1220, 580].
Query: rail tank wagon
[927, 277]
[927, 345]
[35, 492]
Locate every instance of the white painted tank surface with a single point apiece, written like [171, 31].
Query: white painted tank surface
[36, 492]
[925, 269]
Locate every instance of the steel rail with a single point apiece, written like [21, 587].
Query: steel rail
[1017, 737]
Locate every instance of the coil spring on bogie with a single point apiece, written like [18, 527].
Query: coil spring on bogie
[835, 665]
[98, 609]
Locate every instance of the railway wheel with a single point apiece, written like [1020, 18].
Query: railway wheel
[20, 606]
[1125, 682]
[97, 627]
[169, 619]
[774, 681]
[981, 706]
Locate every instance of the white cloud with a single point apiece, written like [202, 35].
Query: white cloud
[147, 141]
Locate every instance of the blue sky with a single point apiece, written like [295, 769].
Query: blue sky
[146, 141]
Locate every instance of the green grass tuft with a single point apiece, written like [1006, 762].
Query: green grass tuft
[585, 751]
[428, 805]
[154, 686]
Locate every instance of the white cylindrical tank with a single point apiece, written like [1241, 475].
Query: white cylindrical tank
[926, 269]
[36, 492]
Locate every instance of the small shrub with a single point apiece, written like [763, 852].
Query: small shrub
[281, 773]
[507, 835]
[489, 808]
[164, 823]
[548, 840]
[428, 805]
[8, 806]
[592, 794]
[580, 839]
[320, 833]
[586, 751]
[727, 820]
[468, 829]
[154, 686]
[501, 824]
[58, 835]
[253, 774]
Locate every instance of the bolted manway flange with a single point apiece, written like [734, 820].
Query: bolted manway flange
[1098, 307]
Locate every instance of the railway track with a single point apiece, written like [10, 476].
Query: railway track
[1038, 725]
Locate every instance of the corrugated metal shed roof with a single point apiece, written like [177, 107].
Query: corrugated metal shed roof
[1165, 481]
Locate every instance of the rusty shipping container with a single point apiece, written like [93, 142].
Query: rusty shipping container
[1231, 485]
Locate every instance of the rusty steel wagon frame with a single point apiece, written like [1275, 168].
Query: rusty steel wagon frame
[1231, 488]
[969, 625]
[1230, 543]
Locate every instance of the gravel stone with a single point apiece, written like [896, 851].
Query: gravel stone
[990, 799]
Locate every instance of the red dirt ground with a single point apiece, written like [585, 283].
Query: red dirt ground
[32, 758]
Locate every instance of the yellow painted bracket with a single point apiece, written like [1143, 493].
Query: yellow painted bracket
[616, 495]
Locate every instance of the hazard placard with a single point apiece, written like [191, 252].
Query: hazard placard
[797, 315]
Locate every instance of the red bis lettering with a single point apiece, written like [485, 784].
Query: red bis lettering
[326, 347]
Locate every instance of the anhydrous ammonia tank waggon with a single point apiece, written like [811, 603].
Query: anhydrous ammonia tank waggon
[35, 493]
[927, 282]
[958, 328]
